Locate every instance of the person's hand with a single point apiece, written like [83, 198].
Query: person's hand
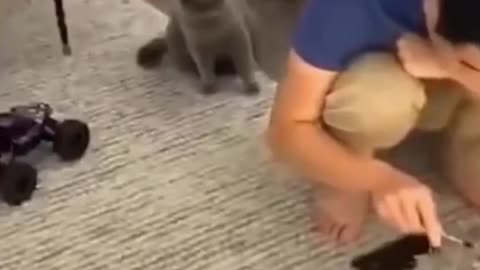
[407, 205]
[420, 59]
[437, 59]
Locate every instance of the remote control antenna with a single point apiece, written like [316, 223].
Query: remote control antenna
[459, 241]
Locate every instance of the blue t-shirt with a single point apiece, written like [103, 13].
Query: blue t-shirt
[330, 33]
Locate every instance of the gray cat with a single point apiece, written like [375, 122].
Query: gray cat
[208, 37]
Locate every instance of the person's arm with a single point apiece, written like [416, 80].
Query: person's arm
[437, 59]
[468, 77]
[297, 137]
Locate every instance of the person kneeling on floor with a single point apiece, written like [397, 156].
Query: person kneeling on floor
[360, 76]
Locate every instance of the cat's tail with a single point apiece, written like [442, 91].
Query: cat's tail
[151, 54]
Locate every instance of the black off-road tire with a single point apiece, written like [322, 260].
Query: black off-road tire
[71, 141]
[18, 181]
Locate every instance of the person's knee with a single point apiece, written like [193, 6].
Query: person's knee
[374, 103]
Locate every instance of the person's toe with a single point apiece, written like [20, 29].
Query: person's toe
[348, 234]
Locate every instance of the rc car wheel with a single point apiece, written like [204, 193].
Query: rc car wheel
[71, 139]
[18, 181]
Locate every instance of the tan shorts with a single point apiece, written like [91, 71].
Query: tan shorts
[374, 104]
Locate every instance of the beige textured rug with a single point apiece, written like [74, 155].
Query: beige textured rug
[173, 180]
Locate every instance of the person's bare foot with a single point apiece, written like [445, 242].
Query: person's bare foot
[340, 215]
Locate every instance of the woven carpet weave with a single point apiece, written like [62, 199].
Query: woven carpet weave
[173, 180]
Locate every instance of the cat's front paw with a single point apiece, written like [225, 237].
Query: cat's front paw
[150, 55]
[252, 88]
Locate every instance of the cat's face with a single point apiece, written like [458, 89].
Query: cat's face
[201, 5]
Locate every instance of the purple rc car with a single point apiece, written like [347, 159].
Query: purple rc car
[21, 130]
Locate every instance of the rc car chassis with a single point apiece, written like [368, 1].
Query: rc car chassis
[22, 129]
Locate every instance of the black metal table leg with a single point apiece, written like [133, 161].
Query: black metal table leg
[62, 26]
